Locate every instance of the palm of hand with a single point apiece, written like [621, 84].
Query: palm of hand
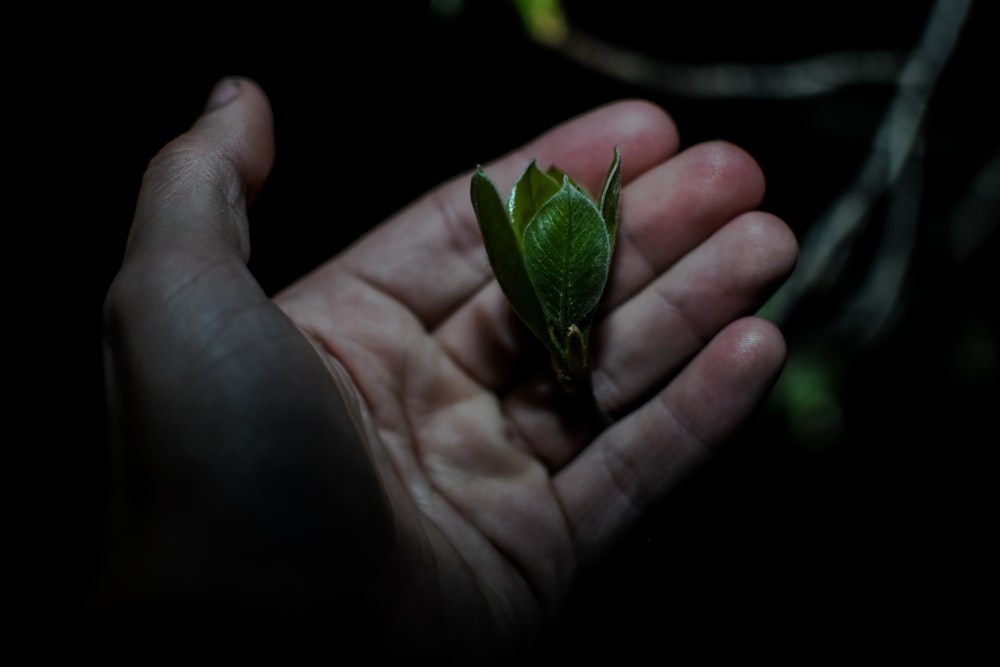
[475, 444]
[447, 422]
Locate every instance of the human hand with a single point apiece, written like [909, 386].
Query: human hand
[381, 452]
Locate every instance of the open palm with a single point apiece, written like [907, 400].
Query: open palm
[384, 439]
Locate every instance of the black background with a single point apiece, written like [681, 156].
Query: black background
[776, 548]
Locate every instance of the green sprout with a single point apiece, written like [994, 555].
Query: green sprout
[550, 249]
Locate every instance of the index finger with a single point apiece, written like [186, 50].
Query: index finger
[430, 256]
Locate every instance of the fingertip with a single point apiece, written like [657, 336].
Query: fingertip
[645, 118]
[645, 132]
[729, 380]
[784, 244]
[238, 113]
[758, 345]
[232, 87]
[755, 353]
[224, 92]
[214, 169]
[762, 246]
[728, 169]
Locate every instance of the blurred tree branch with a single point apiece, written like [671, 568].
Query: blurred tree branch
[893, 168]
[805, 78]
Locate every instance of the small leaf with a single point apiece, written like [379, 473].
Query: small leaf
[566, 254]
[532, 189]
[558, 174]
[504, 253]
[572, 362]
[611, 196]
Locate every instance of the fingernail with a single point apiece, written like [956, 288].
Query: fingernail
[223, 93]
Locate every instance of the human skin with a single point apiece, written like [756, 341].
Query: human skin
[379, 454]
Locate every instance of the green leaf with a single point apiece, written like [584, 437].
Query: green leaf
[566, 254]
[611, 196]
[558, 174]
[532, 189]
[504, 253]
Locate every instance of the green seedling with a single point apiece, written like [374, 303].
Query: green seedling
[550, 248]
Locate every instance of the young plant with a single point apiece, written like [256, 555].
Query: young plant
[550, 248]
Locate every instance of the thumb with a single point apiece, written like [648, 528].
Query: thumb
[184, 282]
[195, 191]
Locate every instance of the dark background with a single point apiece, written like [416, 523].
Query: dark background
[869, 530]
